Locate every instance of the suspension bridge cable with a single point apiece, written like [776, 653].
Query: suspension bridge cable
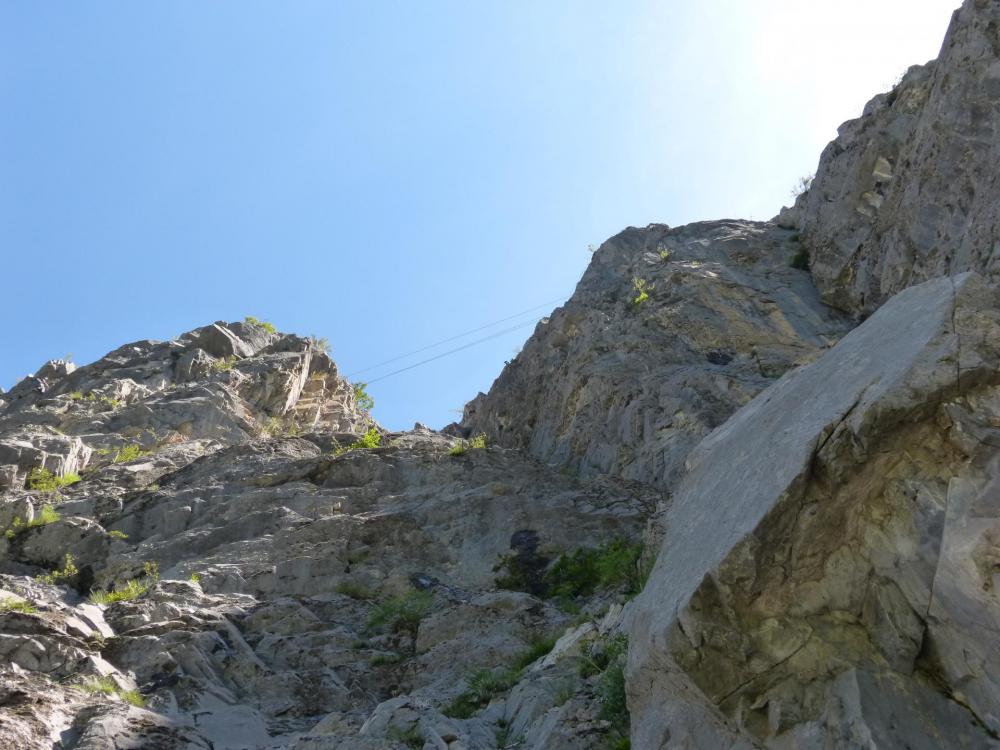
[452, 338]
[453, 351]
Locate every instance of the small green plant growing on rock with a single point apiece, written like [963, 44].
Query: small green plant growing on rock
[663, 253]
[801, 259]
[482, 686]
[129, 453]
[464, 446]
[354, 590]
[371, 439]
[642, 288]
[402, 614]
[614, 564]
[76, 395]
[224, 364]
[383, 660]
[107, 402]
[131, 590]
[108, 686]
[18, 605]
[539, 647]
[608, 661]
[320, 344]
[362, 398]
[251, 320]
[412, 737]
[41, 479]
[802, 185]
[116, 534]
[194, 578]
[47, 515]
[278, 427]
[69, 571]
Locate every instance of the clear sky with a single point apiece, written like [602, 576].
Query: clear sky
[390, 174]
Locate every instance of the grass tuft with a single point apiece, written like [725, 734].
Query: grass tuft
[131, 590]
[402, 614]
[108, 686]
[17, 605]
[371, 439]
[251, 320]
[464, 446]
[68, 572]
[42, 480]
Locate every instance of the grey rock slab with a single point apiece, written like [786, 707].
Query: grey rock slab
[747, 510]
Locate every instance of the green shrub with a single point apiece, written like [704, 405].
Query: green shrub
[354, 590]
[371, 439]
[68, 572]
[362, 398]
[76, 395]
[194, 578]
[129, 453]
[108, 686]
[663, 252]
[614, 564]
[108, 402]
[412, 737]
[801, 259]
[131, 590]
[320, 344]
[802, 185]
[224, 364]
[115, 534]
[41, 479]
[538, 648]
[278, 427]
[482, 686]
[642, 288]
[402, 614]
[251, 320]
[386, 659]
[588, 569]
[611, 693]
[464, 446]
[17, 605]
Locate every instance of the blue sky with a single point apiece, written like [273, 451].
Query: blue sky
[389, 174]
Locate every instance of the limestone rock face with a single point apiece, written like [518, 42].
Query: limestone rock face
[909, 190]
[271, 587]
[151, 394]
[609, 385]
[815, 589]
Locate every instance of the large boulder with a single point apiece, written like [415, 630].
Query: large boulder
[816, 587]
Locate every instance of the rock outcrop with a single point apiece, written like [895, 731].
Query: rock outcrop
[909, 190]
[668, 333]
[209, 562]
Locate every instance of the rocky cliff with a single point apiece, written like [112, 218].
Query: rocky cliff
[741, 490]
